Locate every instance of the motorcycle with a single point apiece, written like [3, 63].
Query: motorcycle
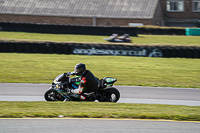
[114, 38]
[62, 83]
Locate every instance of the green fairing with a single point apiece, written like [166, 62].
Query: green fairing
[77, 76]
[77, 83]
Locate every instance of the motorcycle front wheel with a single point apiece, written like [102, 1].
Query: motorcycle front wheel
[51, 95]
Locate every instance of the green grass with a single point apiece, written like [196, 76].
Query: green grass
[50, 37]
[141, 39]
[98, 110]
[167, 40]
[139, 71]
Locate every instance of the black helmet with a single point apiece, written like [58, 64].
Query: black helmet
[79, 68]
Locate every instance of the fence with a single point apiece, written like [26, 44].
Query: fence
[100, 49]
[86, 30]
[67, 29]
[160, 31]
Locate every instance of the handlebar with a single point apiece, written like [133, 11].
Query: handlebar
[70, 73]
[73, 73]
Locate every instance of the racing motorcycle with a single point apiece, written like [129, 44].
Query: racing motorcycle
[59, 90]
[114, 38]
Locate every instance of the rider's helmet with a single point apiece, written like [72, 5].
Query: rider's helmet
[79, 68]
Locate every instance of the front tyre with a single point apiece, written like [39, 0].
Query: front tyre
[111, 95]
[51, 95]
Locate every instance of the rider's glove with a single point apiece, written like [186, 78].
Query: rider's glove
[68, 73]
[73, 73]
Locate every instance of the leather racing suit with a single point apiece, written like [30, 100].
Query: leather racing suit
[88, 86]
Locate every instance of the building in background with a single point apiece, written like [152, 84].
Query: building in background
[103, 12]
[183, 13]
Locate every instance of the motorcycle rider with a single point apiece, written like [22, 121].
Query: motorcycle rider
[89, 83]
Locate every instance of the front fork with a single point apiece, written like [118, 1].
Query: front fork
[61, 94]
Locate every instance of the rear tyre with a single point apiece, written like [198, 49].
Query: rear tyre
[111, 95]
[51, 95]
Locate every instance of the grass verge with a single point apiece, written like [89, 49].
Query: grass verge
[139, 71]
[141, 39]
[98, 110]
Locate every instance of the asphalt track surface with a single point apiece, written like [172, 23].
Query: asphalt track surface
[129, 94]
[96, 126]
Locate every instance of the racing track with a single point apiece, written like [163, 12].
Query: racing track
[129, 94]
[96, 126]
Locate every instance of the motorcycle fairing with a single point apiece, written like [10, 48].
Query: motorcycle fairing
[110, 80]
[107, 82]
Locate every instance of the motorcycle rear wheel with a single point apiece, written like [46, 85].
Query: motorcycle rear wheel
[111, 95]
